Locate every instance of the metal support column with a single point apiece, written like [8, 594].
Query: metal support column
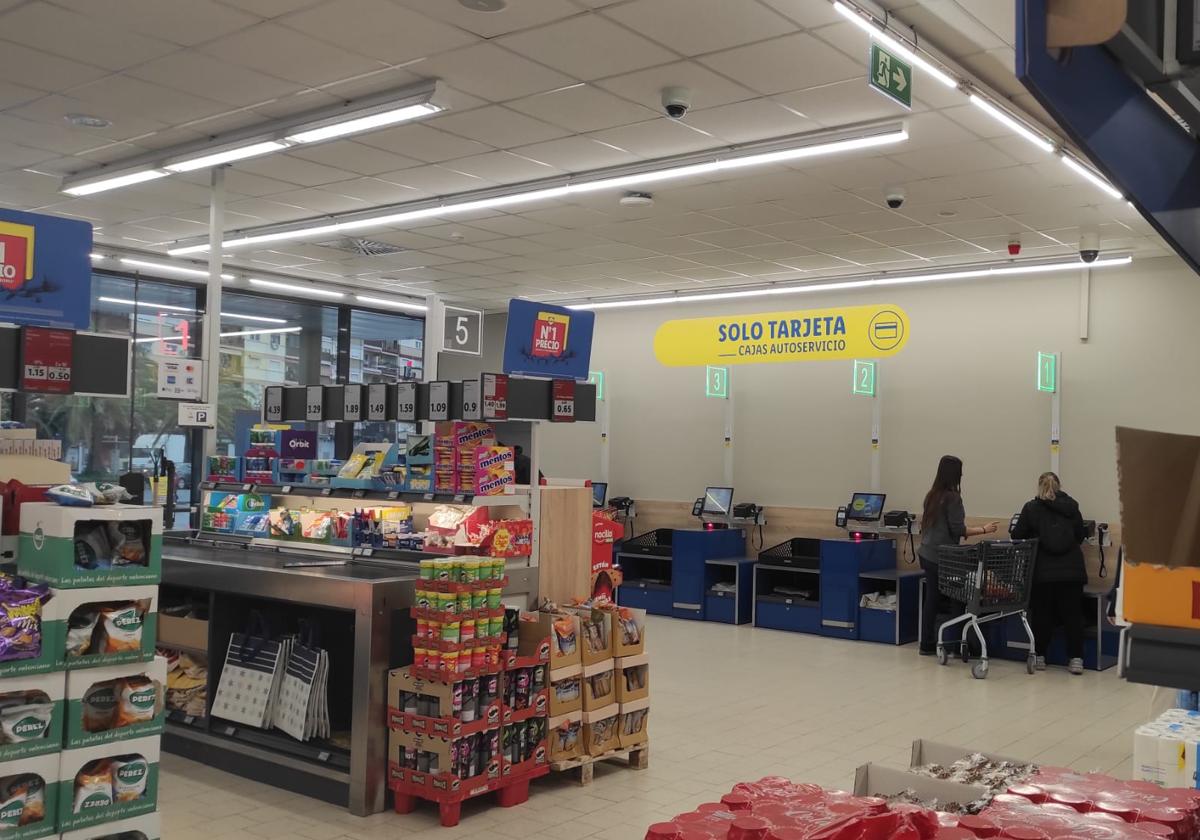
[605, 435]
[1056, 415]
[1085, 302]
[212, 303]
[729, 431]
[343, 432]
[876, 414]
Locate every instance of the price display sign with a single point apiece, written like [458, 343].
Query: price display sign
[406, 401]
[439, 400]
[352, 402]
[377, 401]
[472, 407]
[46, 360]
[495, 396]
[562, 399]
[314, 402]
[273, 404]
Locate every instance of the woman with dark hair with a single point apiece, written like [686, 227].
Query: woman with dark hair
[943, 522]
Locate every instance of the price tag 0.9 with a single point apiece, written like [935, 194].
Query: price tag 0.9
[314, 403]
[352, 402]
[439, 400]
[472, 404]
[377, 401]
[406, 401]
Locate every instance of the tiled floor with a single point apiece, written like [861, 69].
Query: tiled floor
[729, 705]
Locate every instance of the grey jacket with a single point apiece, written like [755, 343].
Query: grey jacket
[947, 528]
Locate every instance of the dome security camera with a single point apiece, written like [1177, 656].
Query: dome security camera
[1089, 246]
[677, 101]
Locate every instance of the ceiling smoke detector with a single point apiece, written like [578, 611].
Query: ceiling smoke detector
[484, 5]
[637, 199]
[87, 121]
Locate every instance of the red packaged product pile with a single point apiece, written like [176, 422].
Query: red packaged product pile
[777, 809]
[1060, 803]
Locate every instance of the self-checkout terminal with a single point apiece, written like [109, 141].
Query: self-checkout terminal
[715, 509]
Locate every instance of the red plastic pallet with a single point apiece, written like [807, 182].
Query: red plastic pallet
[449, 792]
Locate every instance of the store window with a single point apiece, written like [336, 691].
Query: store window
[385, 348]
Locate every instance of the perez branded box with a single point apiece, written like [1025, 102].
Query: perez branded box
[51, 621]
[35, 814]
[116, 703]
[145, 827]
[35, 725]
[109, 625]
[108, 782]
[102, 545]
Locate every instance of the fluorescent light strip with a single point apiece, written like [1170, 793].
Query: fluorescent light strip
[115, 182]
[367, 123]
[227, 156]
[1090, 175]
[833, 286]
[1000, 116]
[96, 256]
[177, 269]
[394, 304]
[894, 45]
[170, 308]
[313, 291]
[548, 193]
[223, 335]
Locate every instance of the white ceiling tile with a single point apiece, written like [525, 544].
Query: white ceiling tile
[79, 37]
[709, 89]
[322, 201]
[815, 262]
[127, 124]
[903, 237]
[826, 204]
[465, 252]
[269, 8]
[934, 213]
[659, 137]
[493, 73]
[566, 239]
[582, 108]
[378, 28]
[839, 244]
[293, 170]
[785, 64]
[437, 180]
[850, 172]
[187, 23]
[999, 226]
[423, 143]
[808, 15]
[777, 251]
[869, 221]
[753, 215]
[754, 119]
[688, 223]
[760, 268]
[587, 47]
[517, 246]
[354, 157]
[946, 23]
[14, 155]
[704, 273]
[263, 210]
[616, 251]
[503, 167]
[52, 138]
[497, 126]
[735, 238]
[692, 27]
[511, 225]
[520, 15]
[951, 248]
[42, 70]
[118, 95]
[950, 160]
[202, 75]
[13, 95]
[279, 51]
[878, 256]
[842, 103]
[798, 230]
[576, 154]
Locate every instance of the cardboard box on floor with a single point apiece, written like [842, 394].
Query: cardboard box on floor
[601, 730]
[932, 752]
[564, 639]
[1158, 480]
[628, 631]
[595, 634]
[565, 736]
[599, 685]
[877, 780]
[44, 767]
[145, 827]
[97, 808]
[632, 677]
[100, 687]
[38, 735]
[634, 726]
[566, 690]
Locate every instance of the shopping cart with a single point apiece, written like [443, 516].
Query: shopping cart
[992, 580]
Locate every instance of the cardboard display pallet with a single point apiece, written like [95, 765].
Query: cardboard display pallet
[636, 757]
[509, 790]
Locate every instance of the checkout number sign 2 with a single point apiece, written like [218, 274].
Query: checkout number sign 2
[463, 331]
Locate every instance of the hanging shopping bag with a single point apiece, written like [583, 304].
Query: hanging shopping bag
[302, 685]
[250, 677]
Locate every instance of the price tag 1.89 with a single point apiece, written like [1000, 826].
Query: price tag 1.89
[406, 401]
[377, 401]
[352, 402]
[439, 400]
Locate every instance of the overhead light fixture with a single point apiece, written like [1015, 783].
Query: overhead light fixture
[170, 269]
[259, 319]
[167, 307]
[367, 113]
[966, 273]
[92, 186]
[1000, 116]
[894, 45]
[95, 256]
[1088, 173]
[313, 291]
[223, 335]
[394, 304]
[615, 178]
[227, 156]
[367, 123]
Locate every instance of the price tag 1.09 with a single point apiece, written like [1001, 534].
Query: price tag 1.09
[439, 400]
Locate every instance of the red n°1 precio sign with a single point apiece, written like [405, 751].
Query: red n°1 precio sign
[46, 360]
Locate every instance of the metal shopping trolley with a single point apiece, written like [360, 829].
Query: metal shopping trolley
[992, 580]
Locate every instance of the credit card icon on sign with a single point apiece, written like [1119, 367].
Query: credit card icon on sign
[887, 330]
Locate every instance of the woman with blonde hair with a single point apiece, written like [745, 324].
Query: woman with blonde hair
[1053, 518]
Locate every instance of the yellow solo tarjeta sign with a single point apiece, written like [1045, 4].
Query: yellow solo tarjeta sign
[847, 332]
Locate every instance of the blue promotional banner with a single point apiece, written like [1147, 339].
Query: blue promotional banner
[547, 340]
[45, 270]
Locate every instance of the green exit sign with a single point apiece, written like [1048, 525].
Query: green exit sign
[716, 382]
[1047, 372]
[596, 377]
[890, 75]
[864, 378]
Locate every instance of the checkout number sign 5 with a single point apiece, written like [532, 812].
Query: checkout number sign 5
[463, 331]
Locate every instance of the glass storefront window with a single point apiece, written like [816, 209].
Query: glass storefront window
[385, 348]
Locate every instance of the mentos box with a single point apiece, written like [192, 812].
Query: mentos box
[495, 470]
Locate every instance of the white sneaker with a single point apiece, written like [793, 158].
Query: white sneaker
[1075, 666]
[1039, 663]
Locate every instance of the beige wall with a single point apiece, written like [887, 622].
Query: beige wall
[964, 384]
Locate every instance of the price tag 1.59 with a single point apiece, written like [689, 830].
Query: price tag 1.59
[314, 403]
[472, 404]
[439, 400]
[352, 402]
[377, 401]
[406, 401]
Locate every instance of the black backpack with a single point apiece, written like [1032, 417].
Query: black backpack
[1056, 534]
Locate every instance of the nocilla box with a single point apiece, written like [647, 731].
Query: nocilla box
[633, 678]
[124, 628]
[134, 788]
[123, 544]
[599, 685]
[1158, 480]
[42, 772]
[566, 736]
[145, 827]
[601, 732]
[52, 620]
[41, 730]
[116, 703]
[634, 725]
[566, 690]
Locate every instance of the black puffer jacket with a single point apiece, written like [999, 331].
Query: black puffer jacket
[1035, 518]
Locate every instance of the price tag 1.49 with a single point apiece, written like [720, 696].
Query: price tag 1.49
[377, 401]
